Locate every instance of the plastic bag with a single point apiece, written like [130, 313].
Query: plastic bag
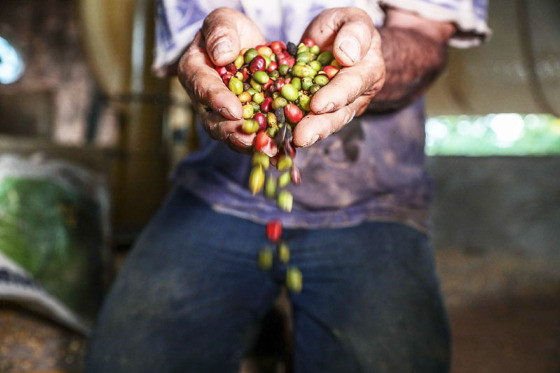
[54, 225]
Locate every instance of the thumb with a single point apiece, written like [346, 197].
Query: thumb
[221, 34]
[350, 30]
[352, 42]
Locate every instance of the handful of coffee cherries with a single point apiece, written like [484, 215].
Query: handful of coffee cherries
[275, 83]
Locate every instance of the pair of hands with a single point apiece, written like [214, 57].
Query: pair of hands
[355, 43]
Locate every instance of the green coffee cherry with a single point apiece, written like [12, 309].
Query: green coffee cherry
[296, 82]
[250, 54]
[304, 102]
[261, 77]
[248, 111]
[283, 69]
[235, 85]
[250, 126]
[321, 80]
[285, 201]
[270, 187]
[289, 92]
[271, 119]
[306, 83]
[294, 280]
[284, 162]
[315, 65]
[325, 58]
[284, 180]
[279, 102]
[283, 252]
[256, 86]
[265, 258]
[304, 57]
[261, 159]
[272, 131]
[314, 88]
[302, 71]
[267, 61]
[258, 97]
[238, 62]
[256, 179]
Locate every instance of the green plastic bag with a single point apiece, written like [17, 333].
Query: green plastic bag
[54, 225]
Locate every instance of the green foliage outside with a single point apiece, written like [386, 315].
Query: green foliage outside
[494, 134]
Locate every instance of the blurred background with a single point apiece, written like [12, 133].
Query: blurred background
[88, 136]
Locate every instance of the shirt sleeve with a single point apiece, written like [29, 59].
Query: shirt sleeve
[177, 22]
[469, 16]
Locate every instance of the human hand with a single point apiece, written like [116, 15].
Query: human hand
[356, 44]
[224, 33]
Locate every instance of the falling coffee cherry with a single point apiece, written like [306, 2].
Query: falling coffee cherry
[274, 230]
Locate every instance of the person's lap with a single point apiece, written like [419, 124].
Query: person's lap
[190, 294]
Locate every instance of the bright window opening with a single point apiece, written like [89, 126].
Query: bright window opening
[495, 134]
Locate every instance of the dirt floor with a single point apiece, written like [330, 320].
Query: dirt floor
[504, 312]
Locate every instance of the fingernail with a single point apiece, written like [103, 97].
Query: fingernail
[351, 48]
[351, 117]
[327, 108]
[221, 47]
[228, 113]
[237, 141]
[313, 140]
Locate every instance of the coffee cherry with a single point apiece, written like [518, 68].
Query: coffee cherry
[265, 259]
[294, 280]
[284, 162]
[257, 64]
[256, 179]
[331, 71]
[261, 77]
[250, 126]
[283, 252]
[284, 180]
[285, 200]
[295, 175]
[250, 55]
[261, 159]
[261, 120]
[293, 113]
[308, 42]
[270, 187]
[274, 230]
[235, 85]
[289, 92]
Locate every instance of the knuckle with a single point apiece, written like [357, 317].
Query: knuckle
[213, 129]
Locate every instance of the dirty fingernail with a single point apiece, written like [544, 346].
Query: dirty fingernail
[221, 47]
[237, 141]
[327, 108]
[227, 113]
[313, 140]
[351, 48]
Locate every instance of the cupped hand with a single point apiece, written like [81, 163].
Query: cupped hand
[356, 45]
[224, 33]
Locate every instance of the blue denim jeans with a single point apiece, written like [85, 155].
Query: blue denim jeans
[190, 293]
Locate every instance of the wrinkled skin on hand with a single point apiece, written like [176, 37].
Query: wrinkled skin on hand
[356, 44]
[224, 33]
[349, 32]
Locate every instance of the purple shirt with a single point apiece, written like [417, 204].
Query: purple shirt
[373, 169]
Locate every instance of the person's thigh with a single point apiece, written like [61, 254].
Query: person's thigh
[370, 302]
[187, 297]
